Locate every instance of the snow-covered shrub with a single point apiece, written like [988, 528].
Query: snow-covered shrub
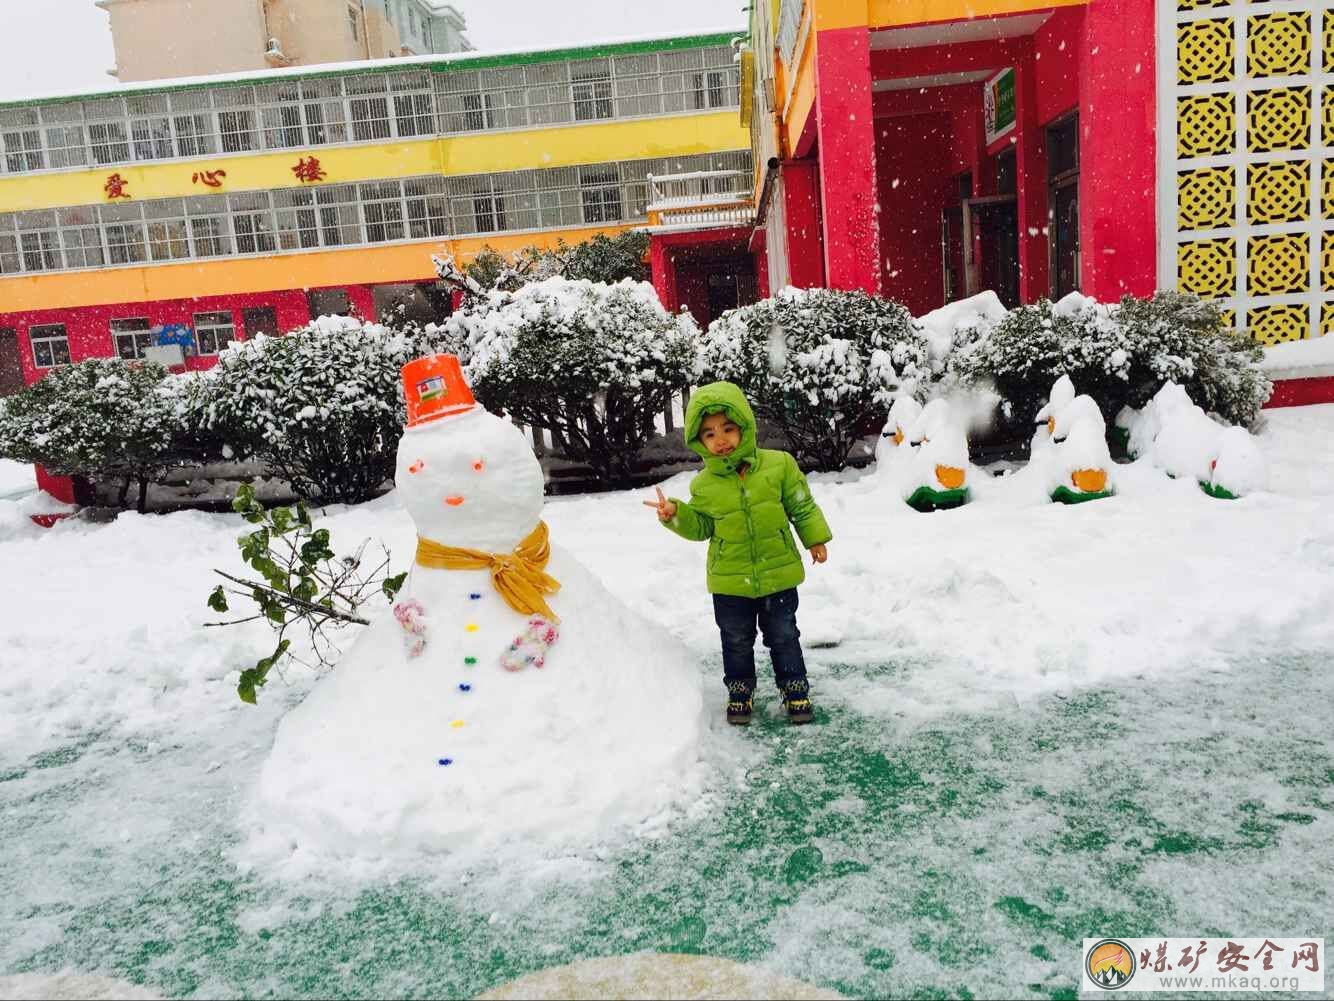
[1119, 354]
[601, 258]
[819, 364]
[102, 419]
[322, 406]
[595, 364]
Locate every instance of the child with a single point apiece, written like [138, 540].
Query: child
[742, 503]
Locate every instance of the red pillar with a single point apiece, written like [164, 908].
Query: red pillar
[1031, 177]
[801, 213]
[1117, 187]
[664, 274]
[846, 138]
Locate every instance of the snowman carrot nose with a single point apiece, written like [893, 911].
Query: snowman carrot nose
[453, 501]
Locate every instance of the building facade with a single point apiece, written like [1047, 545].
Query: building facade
[163, 39]
[929, 149]
[214, 211]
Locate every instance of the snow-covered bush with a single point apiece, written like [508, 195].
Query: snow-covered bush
[595, 364]
[1119, 354]
[102, 419]
[601, 258]
[322, 406]
[819, 364]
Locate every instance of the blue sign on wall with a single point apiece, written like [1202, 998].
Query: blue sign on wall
[175, 333]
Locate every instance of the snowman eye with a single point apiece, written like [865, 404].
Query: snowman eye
[417, 467]
[478, 465]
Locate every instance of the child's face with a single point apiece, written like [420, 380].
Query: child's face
[719, 434]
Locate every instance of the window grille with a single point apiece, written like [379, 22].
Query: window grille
[213, 332]
[50, 344]
[132, 336]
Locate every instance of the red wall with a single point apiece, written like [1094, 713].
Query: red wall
[89, 327]
[914, 168]
[1057, 50]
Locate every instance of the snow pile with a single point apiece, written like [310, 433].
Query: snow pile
[967, 318]
[436, 747]
[16, 478]
[1305, 359]
[1182, 440]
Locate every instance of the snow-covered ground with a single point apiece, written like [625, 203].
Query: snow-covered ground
[972, 668]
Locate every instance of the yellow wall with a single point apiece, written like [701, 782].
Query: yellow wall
[471, 154]
[233, 276]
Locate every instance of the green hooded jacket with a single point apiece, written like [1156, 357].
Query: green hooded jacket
[745, 519]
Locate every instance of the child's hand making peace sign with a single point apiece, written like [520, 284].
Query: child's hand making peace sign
[666, 509]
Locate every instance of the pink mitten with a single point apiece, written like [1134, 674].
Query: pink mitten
[530, 647]
[412, 617]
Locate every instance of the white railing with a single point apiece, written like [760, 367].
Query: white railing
[701, 199]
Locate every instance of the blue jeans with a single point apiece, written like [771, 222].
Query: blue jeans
[776, 616]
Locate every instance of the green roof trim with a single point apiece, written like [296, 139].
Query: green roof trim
[444, 64]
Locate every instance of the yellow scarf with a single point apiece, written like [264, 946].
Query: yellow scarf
[518, 577]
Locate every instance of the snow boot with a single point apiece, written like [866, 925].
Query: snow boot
[739, 702]
[796, 697]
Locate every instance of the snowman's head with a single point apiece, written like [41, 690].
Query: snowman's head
[470, 481]
[467, 478]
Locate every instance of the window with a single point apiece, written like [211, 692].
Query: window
[260, 320]
[600, 190]
[63, 124]
[382, 206]
[193, 123]
[354, 22]
[124, 229]
[280, 115]
[209, 234]
[370, 113]
[428, 209]
[488, 213]
[50, 345]
[710, 90]
[252, 222]
[328, 302]
[23, 150]
[236, 119]
[340, 216]
[133, 337]
[591, 88]
[168, 238]
[150, 127]
[39, 240]
[110, 142]
[298, 224]
[81, 237]
[421, 304]
[10, 262]
[213, 332]
[414, 114]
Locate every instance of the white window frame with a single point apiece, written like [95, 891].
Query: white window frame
[38, 336]
[139, 338]
[207, 330]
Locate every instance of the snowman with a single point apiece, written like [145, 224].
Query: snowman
[1079, 459]
[938, 476]
[893, 442]
[509, 695]
[1062, 392]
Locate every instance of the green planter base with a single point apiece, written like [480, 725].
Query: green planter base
[925, 499]
[1218, 493]
[1064, 495]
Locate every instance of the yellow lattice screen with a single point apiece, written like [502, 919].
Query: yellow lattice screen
[1249, 195]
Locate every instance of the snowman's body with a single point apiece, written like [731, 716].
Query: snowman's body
[438, 749]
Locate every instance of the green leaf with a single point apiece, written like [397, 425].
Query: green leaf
[258, 676]
[282, 520]
[316, 548]
[392, 585]
[276, 613]
[218, 599]
[303, 514]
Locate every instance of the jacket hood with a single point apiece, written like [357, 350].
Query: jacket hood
[726, 398]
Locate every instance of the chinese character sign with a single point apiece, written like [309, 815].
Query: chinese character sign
[208, 178]
[308, 170]
[1215, 964]
[115, 187]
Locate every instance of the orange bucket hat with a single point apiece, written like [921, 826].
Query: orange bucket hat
[434, 388]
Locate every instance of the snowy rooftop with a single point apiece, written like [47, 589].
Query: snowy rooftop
[453, 61]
